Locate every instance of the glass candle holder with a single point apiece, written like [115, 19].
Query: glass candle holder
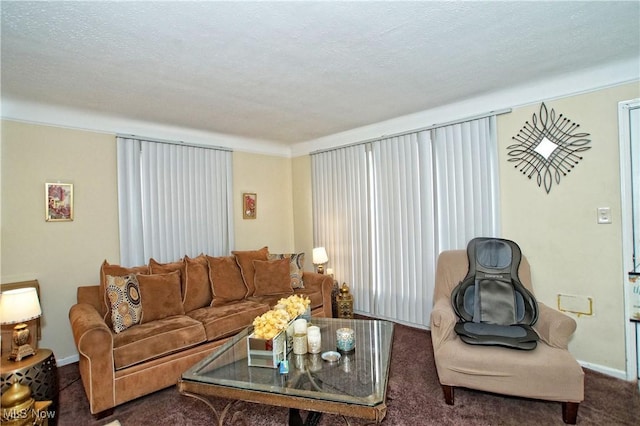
[314, 361]
[299, 362]
[314, 341]
[345, 339]
[299, 344]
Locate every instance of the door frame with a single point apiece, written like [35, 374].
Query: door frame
[624, 132]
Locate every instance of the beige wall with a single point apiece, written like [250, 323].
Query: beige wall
[61, 255]
[270, 178]
[302, 213]
[569, 252]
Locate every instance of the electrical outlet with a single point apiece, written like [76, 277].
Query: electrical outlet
[604, 215]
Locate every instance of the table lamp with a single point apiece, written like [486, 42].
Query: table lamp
[16, 307]
[320, 258]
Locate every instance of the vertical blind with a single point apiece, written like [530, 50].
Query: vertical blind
[174, 200]
[340, 197]
[384, 210]
[467, 184]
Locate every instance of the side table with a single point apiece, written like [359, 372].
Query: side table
[39, 372]
[335, 291]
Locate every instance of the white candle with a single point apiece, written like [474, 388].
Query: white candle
[329, 271]
[300, 326]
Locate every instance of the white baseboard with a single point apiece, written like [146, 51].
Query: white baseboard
[618, 374]
[67, 360]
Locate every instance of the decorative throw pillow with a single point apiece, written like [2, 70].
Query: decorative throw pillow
[160, 294]
[226, 279]
[124, 299]
[156, 267]
[296, 266]
[198, 288]
[116, 271]
[245, 261]
[272, 277]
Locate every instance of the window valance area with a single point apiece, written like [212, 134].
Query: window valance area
[174, 200]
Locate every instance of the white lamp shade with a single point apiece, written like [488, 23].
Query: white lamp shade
[19, 305]
[320, 256]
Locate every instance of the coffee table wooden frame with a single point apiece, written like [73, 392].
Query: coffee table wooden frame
[203, 390]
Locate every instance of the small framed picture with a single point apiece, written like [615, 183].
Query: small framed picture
[249, 205]
[59, 202]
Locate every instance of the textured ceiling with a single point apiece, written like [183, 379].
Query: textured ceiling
[296, 71]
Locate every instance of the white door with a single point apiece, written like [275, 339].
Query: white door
[629, 129]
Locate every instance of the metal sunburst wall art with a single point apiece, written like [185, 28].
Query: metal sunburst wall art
[548, 147]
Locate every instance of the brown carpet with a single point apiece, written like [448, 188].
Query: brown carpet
[414, 397]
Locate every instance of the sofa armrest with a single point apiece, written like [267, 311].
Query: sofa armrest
[554, 327]
[94, 341]
[443, 321]
[324, 282]
[91, 294]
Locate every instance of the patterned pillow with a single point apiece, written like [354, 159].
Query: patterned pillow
[296, 266]
[116, 271]
[124, 296]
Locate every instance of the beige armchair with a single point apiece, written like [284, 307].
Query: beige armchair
[548, 372]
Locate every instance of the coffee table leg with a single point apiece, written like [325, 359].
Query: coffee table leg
[295, 419]
[220, 416]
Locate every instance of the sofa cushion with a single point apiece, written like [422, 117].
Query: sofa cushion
[296, 266]
[156, 267]
[245, 261]
[161, 296]
[155, 339]
[271, 277]
[124, 297]
[229, 318]
[115, 271]
[226, 279]
[197, 285]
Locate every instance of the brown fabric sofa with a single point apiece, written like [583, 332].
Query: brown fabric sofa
[548, 372]
[171, 336]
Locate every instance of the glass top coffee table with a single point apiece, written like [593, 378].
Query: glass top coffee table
[353, 386]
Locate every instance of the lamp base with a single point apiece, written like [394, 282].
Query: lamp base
[21, 347]
[320, 269]
[20, 352]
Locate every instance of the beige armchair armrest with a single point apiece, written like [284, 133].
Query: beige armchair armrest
[94, 341]
[443, 320]
[554, 327]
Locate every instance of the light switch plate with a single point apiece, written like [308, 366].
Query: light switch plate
[604, 215]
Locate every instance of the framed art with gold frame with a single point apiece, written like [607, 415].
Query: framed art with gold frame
[249, 205]
[58, 202]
